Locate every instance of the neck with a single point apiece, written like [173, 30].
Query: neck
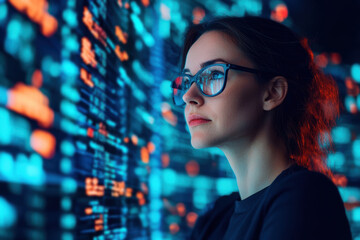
[256, 161]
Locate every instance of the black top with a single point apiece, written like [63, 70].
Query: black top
[298, 204]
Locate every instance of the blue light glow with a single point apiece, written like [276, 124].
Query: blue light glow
[8, 214]
[341, 135]
[355, 72]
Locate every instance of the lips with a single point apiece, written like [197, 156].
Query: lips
[195, 120]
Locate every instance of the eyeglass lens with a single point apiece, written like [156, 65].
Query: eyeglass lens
[210, 81]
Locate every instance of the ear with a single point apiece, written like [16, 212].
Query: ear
[275, 93]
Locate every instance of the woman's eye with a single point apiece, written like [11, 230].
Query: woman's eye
[216, 75]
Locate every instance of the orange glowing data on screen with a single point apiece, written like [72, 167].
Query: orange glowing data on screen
[192, 168]
[146, 3]
[43, 143]
[99, 223]
[352, 87]
[191, 219]
[30, 102]
[174, 228]
[92, 187]
[144, 154]
[140, 196]
[280, 13]
[87, 53]
[165, 160]
[151, 147]
[90, 132]
[123, 56]
[181, 209]
[88, 211]
[198, 15]
[120, 3]
[169, 117]
[36, 10]
[134, 139]
[93, 27]
[102, 129]
[121, 35]
[118, 189]
[128, 192]
[86, 77]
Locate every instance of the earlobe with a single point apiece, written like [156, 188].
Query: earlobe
[275, 93]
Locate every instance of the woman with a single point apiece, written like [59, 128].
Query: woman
[259, 97]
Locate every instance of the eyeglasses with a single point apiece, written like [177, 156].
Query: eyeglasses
[210, 80]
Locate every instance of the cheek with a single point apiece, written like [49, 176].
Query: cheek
[240, 107]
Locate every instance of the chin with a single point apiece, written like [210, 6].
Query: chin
[199, 143]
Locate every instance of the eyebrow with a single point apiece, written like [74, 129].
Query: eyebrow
[207, 63]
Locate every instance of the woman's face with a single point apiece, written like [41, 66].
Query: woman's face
[232, 115]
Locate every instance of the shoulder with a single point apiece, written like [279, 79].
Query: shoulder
[306, 204]
[300, 179]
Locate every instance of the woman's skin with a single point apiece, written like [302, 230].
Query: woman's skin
[239, 118]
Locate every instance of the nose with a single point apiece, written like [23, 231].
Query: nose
[193, 96]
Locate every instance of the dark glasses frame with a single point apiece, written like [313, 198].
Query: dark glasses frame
[195, 79]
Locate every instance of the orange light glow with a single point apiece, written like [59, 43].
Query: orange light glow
[134, 139]
[93, 27]
[88, 211]
[144, 153]
[123, 56]
[351, 205]
[151, 147]
[127, 5]
[121, 35]
[37, 79]
[90, 132]
[43, 143]
[192, 168]
[280, 13]
[168, 115]
[118, 189]
[102, 129]
[92, 187]
[181, 209]
[141, 198]
[165, 160]
[174, 228]
[353, 108]
[36, 10]
[30, 102]
[351, 87]
[99, 223]
[126, 140]
[145, 2]
[191, 219]
[340, 180]
[86, 77]
[198, 15]
[87, 54]
[128, 192]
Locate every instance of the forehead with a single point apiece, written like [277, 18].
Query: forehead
[213, 45]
